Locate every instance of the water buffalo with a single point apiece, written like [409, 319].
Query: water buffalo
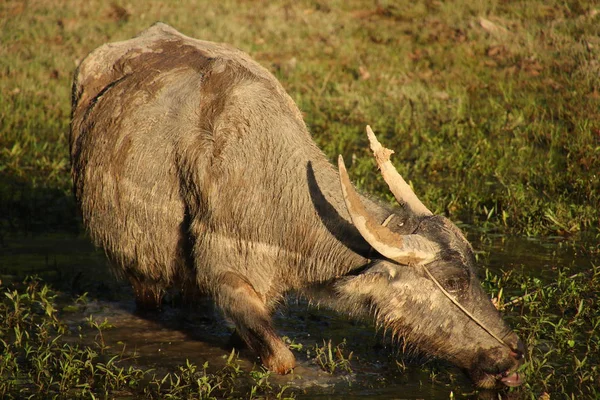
[194, 169]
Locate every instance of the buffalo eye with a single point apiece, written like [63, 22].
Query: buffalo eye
[454, 284]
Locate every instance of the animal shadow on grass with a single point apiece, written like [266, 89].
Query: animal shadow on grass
[30, 208]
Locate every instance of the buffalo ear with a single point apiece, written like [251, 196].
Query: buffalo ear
[364, 284]
[386, 269]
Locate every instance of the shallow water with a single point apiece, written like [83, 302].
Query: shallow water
[164, 340]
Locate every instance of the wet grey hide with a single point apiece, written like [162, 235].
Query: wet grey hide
[194, 170]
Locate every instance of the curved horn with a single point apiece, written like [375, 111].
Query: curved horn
[403, 249]
[398, 186]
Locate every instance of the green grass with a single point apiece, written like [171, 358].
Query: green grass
[493, 108]
[331, 357]
[41, 358]
[560, 324]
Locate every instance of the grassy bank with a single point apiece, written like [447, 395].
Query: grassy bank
[492, 107]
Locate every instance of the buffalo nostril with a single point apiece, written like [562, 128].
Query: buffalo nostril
[517, 354]
[518, 350]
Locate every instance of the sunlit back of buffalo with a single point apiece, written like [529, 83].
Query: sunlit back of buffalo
[194, 170]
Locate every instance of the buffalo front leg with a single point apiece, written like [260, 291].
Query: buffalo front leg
[240, 302]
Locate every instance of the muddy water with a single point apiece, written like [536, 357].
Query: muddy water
[164, 340]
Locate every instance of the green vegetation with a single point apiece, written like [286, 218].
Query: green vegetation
[331, 358]
[493, 109]
[39, 360]
[560, 324]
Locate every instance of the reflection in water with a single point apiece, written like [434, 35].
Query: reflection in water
[165, 340]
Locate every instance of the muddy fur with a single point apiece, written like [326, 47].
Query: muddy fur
[194, 169]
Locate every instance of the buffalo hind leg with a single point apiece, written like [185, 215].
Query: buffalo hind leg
[148, 295]
[240, 302]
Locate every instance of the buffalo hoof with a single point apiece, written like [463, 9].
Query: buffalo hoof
[282, 361]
